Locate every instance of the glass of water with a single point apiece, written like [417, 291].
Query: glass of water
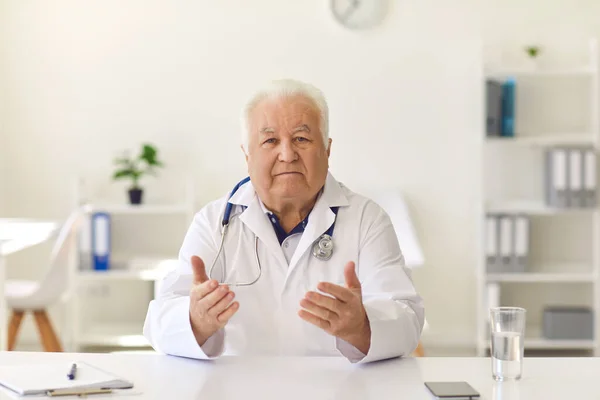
[508, 331]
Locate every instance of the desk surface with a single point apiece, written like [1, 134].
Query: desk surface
[17, 234]
[164, 377]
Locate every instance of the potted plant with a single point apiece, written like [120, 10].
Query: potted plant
[532, 52]
[135, 168]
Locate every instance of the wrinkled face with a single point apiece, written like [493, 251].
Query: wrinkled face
[286, 156]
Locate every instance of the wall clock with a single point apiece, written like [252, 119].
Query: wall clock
[359, 14]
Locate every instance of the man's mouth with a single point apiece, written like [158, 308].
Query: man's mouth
[287, 173]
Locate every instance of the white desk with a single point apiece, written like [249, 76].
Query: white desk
[164, 377]
[16, 235]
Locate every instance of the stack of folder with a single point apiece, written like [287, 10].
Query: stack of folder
[500, 107]
[507, 243]
[570, 180]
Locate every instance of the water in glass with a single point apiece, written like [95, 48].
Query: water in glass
[506, 355]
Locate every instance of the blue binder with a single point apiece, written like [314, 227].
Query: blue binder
[101, 243]
[508, 107]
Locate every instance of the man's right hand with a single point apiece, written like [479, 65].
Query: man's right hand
[210, 304]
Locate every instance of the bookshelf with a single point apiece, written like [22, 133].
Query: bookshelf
[141, 265]
[564, 243]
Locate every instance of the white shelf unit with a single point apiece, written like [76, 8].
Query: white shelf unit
[534, 341]
[531, 207]
[554, 273]
[546, 139]
[144, 209]
[541, 277]
[142, 268]
[587, 71]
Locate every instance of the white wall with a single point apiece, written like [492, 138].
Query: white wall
[87, 79]
[2, 114]
[557, 25]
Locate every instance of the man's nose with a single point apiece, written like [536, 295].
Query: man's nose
[287, 153]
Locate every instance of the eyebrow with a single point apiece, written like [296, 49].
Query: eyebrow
[302, 127]
[267, 130]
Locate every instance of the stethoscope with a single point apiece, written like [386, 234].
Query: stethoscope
[322, 247]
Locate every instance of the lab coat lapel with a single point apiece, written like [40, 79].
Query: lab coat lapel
[256, 220]
[320, 219]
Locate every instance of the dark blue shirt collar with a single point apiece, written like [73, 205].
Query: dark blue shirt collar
[280, 232]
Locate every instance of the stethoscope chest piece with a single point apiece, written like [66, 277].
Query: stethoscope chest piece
[323, 248]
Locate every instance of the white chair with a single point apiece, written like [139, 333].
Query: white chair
[392, 201]
[37, 296]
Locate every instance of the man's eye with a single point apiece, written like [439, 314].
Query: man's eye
[301, 139]
[269, 141]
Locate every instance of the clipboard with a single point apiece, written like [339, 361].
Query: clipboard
[52, 379]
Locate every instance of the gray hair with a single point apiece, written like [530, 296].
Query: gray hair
[286, 88]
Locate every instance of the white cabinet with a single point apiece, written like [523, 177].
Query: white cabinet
[564, 261]
[108, 307]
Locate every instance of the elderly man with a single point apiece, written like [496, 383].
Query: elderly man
[291, 262]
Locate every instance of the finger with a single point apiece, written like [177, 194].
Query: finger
[221, 304]
[199, 270]
[228, 313]
[202, 290]
[214, 297]
[317, 310]
[324, 301]
[352, 281]
[339, 292]
[313, 319]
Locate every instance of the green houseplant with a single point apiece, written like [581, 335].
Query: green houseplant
[532, 51]
[532, 56]
[134, 168]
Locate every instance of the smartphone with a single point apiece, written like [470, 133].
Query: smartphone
[452, 390]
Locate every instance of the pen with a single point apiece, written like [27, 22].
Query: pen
[71, 374]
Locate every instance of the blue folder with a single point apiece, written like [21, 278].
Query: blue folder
[508, 107]
[101, 243]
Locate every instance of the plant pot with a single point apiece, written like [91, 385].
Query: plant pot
[532, 64]
[135, 196]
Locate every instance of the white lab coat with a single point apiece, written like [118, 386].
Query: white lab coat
[267, 322]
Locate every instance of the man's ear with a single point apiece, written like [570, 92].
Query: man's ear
[244, 151]
[328, 147]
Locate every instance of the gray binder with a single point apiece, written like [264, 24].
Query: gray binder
[493, 108]
[589, 178]
[492, 232]
[521, 242]
[506, 243]
[575, 190]
[557, 174]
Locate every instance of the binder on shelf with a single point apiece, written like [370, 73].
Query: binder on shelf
[493, 108]
[575, 178]
[506, 242]
[508, 107]
[493, 262]
[521, 243]
[101, 240]
[589, 178]
[85, 244]
[556, 178]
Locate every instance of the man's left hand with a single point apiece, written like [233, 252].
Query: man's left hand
[343, 316]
